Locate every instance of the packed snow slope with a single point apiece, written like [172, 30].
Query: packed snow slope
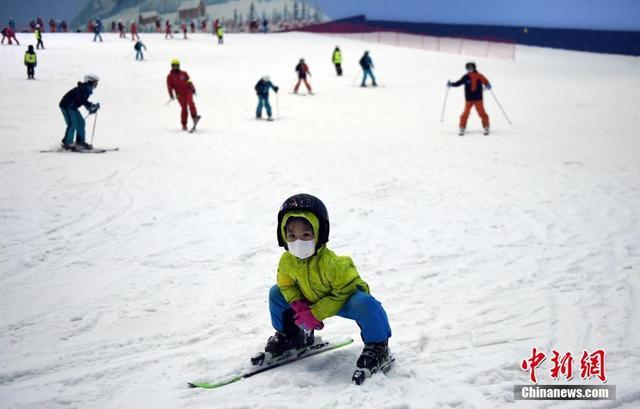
[127, 274]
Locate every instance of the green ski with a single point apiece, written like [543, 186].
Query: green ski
[312, 350]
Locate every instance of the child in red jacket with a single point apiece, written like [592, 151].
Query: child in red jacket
[178, 81]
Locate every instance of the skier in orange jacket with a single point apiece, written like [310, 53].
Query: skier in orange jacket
[473, 82]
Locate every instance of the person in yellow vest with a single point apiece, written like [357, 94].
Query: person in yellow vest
[220, 35]
[38, 33]
[30, 60]
[337, 60]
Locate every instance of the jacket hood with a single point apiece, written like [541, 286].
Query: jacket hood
[305, 214]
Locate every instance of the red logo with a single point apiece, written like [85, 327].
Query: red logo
[590, 365]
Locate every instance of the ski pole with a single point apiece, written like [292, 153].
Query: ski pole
[498, 102]
[277, 107]
[93, 132]
[444, 104]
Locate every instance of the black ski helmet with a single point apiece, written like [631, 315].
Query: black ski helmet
[304, 201]
[470, 64]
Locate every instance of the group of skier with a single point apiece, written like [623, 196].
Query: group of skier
[313, 283]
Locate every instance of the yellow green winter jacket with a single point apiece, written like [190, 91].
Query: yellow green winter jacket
[30, 58]
[337, 57]
[325, 279]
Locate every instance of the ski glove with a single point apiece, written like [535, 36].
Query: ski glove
[276, 89]
[94, 108]
[488, 86]
[307, 321]
[304, 318]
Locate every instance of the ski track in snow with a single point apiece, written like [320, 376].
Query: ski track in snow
[126, 275]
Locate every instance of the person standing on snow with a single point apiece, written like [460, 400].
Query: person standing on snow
[183, 27]
[121, 29]
[167, 30]
[220, 34]
[30, 60]
[473, 82]
[97, 29]
[134, 31]
[262, 89]
[178, 81]
[9, 34]
[313, 284]
[69, 104]
[38, 33]
[138, 47]
[303, 70]
[367, 66]
[337, 60]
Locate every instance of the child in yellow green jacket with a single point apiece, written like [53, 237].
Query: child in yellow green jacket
[314, 284]
[30, 60]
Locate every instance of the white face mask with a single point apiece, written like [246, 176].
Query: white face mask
[301, 248]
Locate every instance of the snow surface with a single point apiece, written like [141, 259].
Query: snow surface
[127, 274]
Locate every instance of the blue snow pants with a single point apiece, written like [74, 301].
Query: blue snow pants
[361, 307]
[75, 125]
[368, 73]
[139, 55]
[96, 35]
[263, 100]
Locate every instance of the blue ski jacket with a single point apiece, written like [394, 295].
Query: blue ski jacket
[262, 88]
[77, 97]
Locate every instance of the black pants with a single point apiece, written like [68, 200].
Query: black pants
[30, 70]
[40, 43]
[338, 68]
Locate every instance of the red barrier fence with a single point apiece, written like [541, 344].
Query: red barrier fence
[477, 47]
[464, 46]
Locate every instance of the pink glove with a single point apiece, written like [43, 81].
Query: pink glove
[300, 306]
[304, 317]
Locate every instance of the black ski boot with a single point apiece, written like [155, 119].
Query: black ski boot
[292, 338]
[374, 357]
[280, 343]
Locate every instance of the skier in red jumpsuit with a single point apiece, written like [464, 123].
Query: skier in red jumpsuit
[178, 81]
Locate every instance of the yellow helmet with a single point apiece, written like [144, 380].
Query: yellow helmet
[175, 61]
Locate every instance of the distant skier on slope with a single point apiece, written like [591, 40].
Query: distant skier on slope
[167, 30]
[367, 66]
[179, 82]
[38, 34]
[121, 29]
[134, 31]
[336, 58]
[31, 61]
[220, 35]
[473, 82]
[9, 34]
[262, 89]
[138, 47]
[303, 70]
[69, 104]
[183, 27]
[314, 283]
[97, 29]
